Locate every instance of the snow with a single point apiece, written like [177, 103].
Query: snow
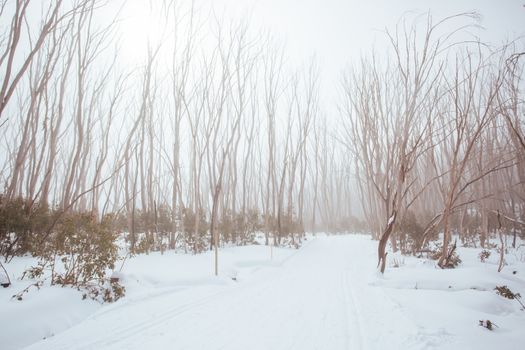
[41, 314]
[446, 304]
[326, 295]
[391, 219]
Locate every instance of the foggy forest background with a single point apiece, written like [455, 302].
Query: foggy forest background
[216, 138]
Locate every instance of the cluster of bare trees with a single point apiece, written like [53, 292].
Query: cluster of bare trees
[435, 133]
[212, 139]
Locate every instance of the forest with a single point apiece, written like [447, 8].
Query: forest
[216, 140]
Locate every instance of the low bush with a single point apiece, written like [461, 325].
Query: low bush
[73, 249]
[484, 255]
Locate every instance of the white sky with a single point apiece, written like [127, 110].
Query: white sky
[335, 31]
[342, 28]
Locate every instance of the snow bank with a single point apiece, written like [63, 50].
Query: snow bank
[448, 304]
[326, 295]
[48, 311]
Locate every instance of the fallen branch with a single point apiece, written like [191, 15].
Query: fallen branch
[19, 295]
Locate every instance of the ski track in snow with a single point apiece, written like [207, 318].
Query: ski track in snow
[353, 313]
[312, 300]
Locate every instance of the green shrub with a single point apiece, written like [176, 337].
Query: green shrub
[87, 249]
[22, 226]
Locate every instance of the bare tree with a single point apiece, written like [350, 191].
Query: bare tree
[54, 14]
[389, 112]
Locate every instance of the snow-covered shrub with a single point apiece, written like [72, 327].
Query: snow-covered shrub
[145, 243]
[20, 295]
[79, 251]
[452, 260]
[484, 255]
[108, 292]
[487, 324]
[505, 292]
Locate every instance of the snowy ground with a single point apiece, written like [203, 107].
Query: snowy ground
[327, 295]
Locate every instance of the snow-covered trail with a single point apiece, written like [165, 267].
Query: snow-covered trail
[319, 298]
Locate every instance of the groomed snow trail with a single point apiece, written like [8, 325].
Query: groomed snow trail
[319, 298]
